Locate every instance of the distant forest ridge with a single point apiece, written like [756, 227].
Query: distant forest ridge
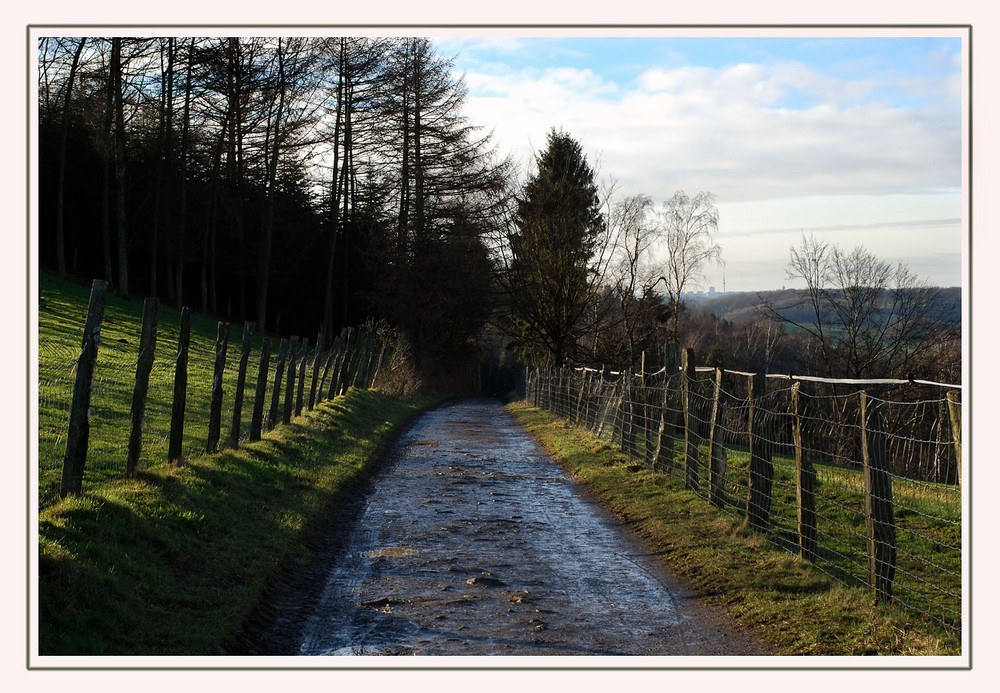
[742, 307]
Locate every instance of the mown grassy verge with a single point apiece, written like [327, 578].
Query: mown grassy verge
[798, 609]
[176, 561]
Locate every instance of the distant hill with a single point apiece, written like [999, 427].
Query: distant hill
[742, 306]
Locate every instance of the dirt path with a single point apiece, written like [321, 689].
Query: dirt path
[474, 542]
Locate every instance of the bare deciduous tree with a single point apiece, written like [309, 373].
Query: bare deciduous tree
[687, 227]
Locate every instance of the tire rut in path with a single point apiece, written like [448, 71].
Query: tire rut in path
[472, 541]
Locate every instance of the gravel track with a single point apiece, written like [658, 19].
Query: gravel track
[473, 541]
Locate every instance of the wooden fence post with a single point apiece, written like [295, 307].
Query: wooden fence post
[286, 412]
[302, 376]
[316, 361]
[955, 413]
[241, 379]
[628, 414]
[805, 477]
[338, 364]
[176, 445]
[649, 430]
[78, 433]
[716, 450]
[279, 368]
[761, 475]
[327, 365]
[257, 417]
[578, 413]
[879, 517]
[343, 373]
[215, 412]
[665, 441]
[147, 349]
[691, 440]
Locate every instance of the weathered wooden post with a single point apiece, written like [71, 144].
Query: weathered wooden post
[761, 475]
[380, 363]
[316, 362]
[691, 439]
[338, 363]
[327, 365]
[955, 413]
[78, 432]
[581, 379]
[302, 377]
[241, 379]
[364, 363]
[279, 372]
[343, 373]
[805, 476]
[215, 412]
[664, 456]
[628, 414]
[176, 444]
[716, 450]
[147, 349]
[648, 429]
[256, 419]
[879, 517]
[286, 412]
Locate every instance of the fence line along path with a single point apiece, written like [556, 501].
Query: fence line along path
[113, 401]
[861, 478]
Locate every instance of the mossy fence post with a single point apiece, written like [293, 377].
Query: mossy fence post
[761, 477]
[805, 475]
[78, 433]
[176, 444]
[241, 380]
[879, 518]
[147, 349]
[215, 412]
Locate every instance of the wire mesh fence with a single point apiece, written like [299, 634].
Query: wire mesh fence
[863, 479]
[316, 374]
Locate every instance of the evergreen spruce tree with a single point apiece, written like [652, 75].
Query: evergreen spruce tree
[558, 228]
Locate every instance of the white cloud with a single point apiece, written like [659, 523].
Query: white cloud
[727, 130]
[864, 160]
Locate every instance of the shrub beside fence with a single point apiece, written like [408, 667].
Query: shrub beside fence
[861, 478]
[166, 399]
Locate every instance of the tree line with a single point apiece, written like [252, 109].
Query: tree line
[302, 182]
[280, 179]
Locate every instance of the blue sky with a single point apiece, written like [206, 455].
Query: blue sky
[855, 139]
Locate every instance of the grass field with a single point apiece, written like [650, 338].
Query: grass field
[801, 608]
[62, 310]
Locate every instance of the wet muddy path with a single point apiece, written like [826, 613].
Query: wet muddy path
[472, 541]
